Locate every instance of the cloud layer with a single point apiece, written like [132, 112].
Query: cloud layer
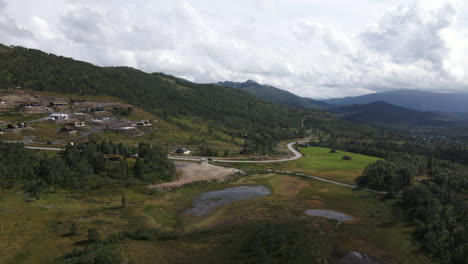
[312, 49]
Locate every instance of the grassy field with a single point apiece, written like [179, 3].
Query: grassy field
[36, 232]
[320, 159]
[320, 162]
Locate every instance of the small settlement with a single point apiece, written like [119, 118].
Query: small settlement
[79, 118]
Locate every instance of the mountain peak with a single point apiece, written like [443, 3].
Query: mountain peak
[250, 81]
[276, 95]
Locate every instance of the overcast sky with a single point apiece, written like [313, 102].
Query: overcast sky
[313, 48]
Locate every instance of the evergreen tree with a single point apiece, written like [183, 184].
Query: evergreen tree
[94, 235]
[123, 201]
[74, 229]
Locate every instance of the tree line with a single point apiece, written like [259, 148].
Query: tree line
[90, 165]
[436, 204]
[429, 180]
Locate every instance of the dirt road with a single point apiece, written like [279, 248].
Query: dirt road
[297, 155]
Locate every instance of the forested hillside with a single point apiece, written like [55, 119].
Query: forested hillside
[260, 123]
[162, 94]
[276, 95]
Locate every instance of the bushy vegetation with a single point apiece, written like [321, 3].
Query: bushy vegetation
[439, 211]
[294, 241]
[287, 242]
[96, 251]
[436, 205]
[88, 165]
[429, 178]
[391, 175]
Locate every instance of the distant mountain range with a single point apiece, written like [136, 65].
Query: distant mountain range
[383, 113]
[275, 95]
[412, 99]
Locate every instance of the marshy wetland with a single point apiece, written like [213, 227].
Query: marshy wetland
[207, 201]
[330, 214]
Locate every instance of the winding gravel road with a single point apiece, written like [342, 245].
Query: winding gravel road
[297, 155]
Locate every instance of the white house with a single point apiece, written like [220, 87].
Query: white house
[127, 127]
[59, 117]
[184, 151]
[80, 124]
[143, 123]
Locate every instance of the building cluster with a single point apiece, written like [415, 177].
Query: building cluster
[72, 116]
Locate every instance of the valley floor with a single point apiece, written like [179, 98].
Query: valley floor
[38, 232]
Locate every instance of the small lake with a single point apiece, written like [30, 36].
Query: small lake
[206, 202]
[329, 214]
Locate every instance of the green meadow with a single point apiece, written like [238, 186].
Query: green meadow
[319, 162]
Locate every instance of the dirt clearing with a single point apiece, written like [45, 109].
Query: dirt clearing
[197, 172]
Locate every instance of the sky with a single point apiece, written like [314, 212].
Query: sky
[314, 48]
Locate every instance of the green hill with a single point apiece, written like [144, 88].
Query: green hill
[276, 95]
[167, 96]
[236, 113]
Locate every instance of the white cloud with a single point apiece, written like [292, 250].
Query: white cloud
[409, 34]
[308, 47]
[10, 31]
[412, 49]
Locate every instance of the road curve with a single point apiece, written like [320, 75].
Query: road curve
[297, 155]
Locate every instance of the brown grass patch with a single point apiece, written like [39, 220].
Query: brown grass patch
[313, 204]
[291, 186]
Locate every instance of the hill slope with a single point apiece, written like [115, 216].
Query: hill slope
[381, 112]
[413, 99]
[165, 95]
[203, 108]
[275, 95]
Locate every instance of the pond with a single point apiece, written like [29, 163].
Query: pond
[207, 201]
[329, 214]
